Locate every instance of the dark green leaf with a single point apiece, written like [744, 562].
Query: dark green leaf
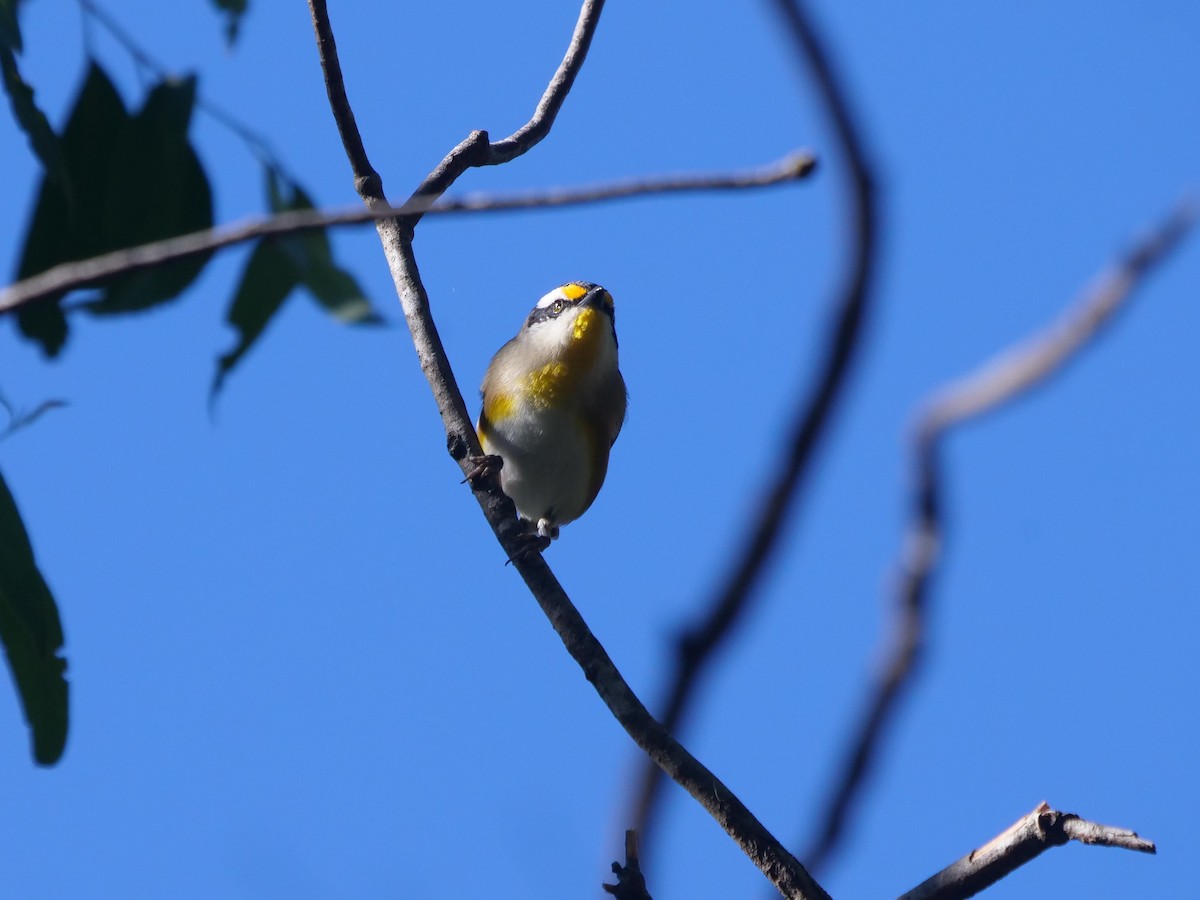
[134, 179]
[32, 635]
[10, 31]
[267, 280]
[332, 286]
[280, 191]
[280, 265]
[29, 117]
[32, 120]
[45, 323]
[63, 227]
[338, 292]
[66, 227]
[233, 10]
[157, 189]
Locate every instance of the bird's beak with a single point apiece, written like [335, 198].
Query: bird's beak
[598, 298]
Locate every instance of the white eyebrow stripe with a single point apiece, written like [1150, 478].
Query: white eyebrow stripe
[556, 294]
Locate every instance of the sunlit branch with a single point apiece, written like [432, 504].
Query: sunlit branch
[1023, 841]
[84, 273]
[997, 382]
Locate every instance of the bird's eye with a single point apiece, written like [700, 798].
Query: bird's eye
[557, 307]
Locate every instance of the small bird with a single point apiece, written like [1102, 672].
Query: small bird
[553, 404]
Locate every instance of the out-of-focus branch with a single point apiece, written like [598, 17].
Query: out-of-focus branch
[997, 382]
[1026, 839]
[1025, 365]
[74, 275]
[19, 418]
[631, 883]
[811, 419]
[764, 850]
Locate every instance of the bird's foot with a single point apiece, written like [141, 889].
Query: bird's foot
[483, 469]
[530, 545]
[534, 540]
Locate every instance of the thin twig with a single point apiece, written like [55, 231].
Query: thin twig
[476, 150]
[997, 382]
[19, 418]
[764, 850]
[1026, 839]
[83, 273]
[813, 414]
[532, 132]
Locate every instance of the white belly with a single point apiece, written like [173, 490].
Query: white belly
[547, 464]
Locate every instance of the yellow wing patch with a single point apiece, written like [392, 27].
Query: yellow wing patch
[499, 406]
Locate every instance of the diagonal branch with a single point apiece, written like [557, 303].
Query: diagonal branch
[764, 850]
[83, 273]
[1025, 839]
[997, 382]
[813, 414]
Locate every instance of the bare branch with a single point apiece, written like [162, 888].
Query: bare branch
[1026, 839]
[83, 273]
[476, 150]
[763, 849]
[532, 132]
[811, 419]
[1023, 366]
[631, 883]
[1003, 379]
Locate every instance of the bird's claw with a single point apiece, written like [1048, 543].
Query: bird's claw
[483, 469]
[531, 543]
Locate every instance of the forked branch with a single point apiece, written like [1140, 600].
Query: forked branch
[763, 849]
[1025, 839]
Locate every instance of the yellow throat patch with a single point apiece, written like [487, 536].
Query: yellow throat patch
[584, 321]
[553, 382]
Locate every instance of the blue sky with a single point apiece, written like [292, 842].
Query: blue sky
[298, 665]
